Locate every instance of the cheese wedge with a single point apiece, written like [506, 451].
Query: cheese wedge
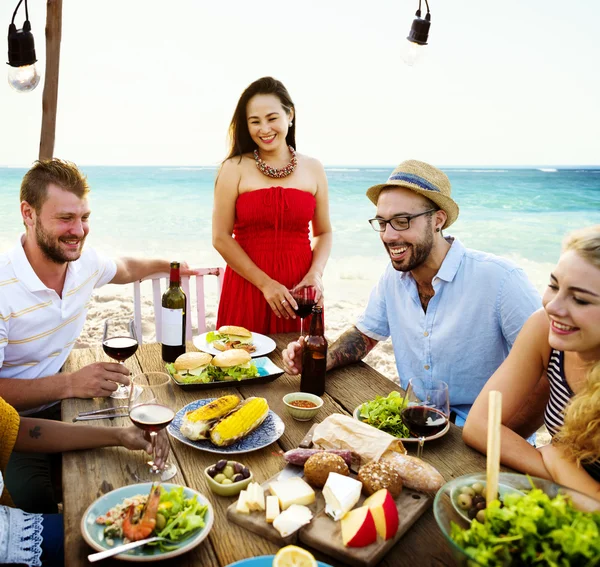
[292, 491]
[292, 519]
[272, 508]
[242, 503]
[256, 497]
[341, 494]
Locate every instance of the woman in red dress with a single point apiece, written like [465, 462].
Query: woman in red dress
[266, 196]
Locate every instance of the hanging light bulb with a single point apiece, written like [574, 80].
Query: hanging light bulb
[413, 49]
[22, 73]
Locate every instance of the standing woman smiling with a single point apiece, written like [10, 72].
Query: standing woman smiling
[266, 195]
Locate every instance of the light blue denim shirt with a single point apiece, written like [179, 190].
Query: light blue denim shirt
[481, 302]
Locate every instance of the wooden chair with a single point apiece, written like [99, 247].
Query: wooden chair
[185, 285]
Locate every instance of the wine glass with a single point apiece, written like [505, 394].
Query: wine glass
[119, 342]
[426, 409]
[152, 409]
[306, 298]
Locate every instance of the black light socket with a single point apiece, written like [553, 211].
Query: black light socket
[419, 30]
[21, 48]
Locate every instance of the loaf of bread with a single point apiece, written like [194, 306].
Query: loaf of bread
[415, 473]
[380, 474]
[318, 467]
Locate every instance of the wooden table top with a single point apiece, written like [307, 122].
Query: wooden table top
[89, 474]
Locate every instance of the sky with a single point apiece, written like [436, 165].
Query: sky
[149, 82]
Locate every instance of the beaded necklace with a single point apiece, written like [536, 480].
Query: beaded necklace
[276, 173]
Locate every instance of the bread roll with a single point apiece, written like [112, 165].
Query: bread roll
[380, 474]
[234, 357]
[318, 467]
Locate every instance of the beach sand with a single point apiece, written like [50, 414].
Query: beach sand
[346, 296]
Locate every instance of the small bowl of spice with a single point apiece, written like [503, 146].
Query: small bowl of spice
[302, 406]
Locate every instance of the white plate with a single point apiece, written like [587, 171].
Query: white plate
[93, 533]
[443, 432]
[268, 432]
[264, 345]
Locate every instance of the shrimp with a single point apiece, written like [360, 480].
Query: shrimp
[147, 522]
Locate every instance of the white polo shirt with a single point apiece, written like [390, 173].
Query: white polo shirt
[37, 327]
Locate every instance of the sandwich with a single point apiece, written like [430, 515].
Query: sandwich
[191, 367]
[233, 365]
[197, 424]
[231, 337]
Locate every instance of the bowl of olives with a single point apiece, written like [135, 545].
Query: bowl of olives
[470, 500]
[227, 478]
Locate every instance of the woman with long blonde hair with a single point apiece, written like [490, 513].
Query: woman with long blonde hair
[559, 348]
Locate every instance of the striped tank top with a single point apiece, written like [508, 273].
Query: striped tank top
[560, 396]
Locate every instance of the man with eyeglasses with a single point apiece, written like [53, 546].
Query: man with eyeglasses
[453, 313]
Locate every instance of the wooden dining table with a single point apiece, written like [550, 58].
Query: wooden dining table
[87, 475]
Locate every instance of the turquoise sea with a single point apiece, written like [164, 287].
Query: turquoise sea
[522, 214]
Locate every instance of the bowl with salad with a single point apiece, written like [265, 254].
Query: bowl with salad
[537, 523]
[385, 413]
[180, 514]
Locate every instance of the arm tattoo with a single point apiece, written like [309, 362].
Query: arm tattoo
[351, 347]
[35, 432]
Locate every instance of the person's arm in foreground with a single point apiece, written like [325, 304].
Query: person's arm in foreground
[134, 269]
[322, 236]
[49, 436]
[516, 379]
[351, 347]
[226, 194]
[565, 471]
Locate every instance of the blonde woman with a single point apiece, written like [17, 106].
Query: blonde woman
[559, 346]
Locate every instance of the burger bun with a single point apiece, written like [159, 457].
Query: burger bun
[231, 358]
[192, 360]
[235, 331]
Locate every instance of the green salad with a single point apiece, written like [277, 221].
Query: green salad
[384, 413]
[533, 530]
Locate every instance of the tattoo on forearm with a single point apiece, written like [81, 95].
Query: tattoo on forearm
[35, 432]
[351, 347]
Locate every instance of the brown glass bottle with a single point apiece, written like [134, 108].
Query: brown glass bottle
[314, 356]
[173, 317]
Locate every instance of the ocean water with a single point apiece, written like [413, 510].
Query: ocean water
[522, 214]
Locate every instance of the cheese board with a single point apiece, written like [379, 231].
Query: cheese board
[322, 533]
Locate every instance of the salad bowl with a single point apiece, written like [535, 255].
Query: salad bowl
[511, 547]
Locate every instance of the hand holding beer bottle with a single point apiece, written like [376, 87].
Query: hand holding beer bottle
[314, 356]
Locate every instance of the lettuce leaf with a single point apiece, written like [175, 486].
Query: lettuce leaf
[233, 373]
[214, 336]
[384, 413]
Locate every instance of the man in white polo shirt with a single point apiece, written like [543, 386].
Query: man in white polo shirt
[46, 282]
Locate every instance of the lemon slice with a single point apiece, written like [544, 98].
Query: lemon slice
[293, 556]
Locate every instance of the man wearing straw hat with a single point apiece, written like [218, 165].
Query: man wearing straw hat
[453, 313]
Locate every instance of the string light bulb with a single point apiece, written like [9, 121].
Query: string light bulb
[22, 73]
[414, 47]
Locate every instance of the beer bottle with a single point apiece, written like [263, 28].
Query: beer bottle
[314, 356]
[173, 317]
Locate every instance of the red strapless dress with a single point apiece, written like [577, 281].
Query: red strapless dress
[271, 225]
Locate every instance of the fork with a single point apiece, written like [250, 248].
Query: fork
[122, 548]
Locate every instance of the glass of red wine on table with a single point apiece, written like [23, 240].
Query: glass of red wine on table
[306, 298]
[119, 342]
[426, 409]
[152, 409]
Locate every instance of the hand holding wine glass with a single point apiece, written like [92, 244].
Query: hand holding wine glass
[119, 342]
[426, 409]
[306, 298]
[152, 408]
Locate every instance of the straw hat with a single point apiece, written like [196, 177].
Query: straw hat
[424, 179]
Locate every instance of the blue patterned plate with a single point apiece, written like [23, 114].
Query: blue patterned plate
[93, 533]
[269, 431]
[263, 561]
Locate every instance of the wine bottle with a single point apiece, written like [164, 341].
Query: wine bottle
[173, 317]
[314, 356]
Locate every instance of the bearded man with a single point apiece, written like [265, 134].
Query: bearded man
[46, 282]
[453, 313]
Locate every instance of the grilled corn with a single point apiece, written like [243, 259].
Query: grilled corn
[214, 410]
[197, 424]
[250, 414]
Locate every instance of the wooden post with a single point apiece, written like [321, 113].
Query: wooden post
[50, 96]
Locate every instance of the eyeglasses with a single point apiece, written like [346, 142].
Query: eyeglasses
[397, 223]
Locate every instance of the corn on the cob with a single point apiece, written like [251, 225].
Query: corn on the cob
[214, 410]
[250, 414]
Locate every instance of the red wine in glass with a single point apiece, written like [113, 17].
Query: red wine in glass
[423, 421]
[120, 348]
[304, 307]
[151, 417]
[306, 298]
